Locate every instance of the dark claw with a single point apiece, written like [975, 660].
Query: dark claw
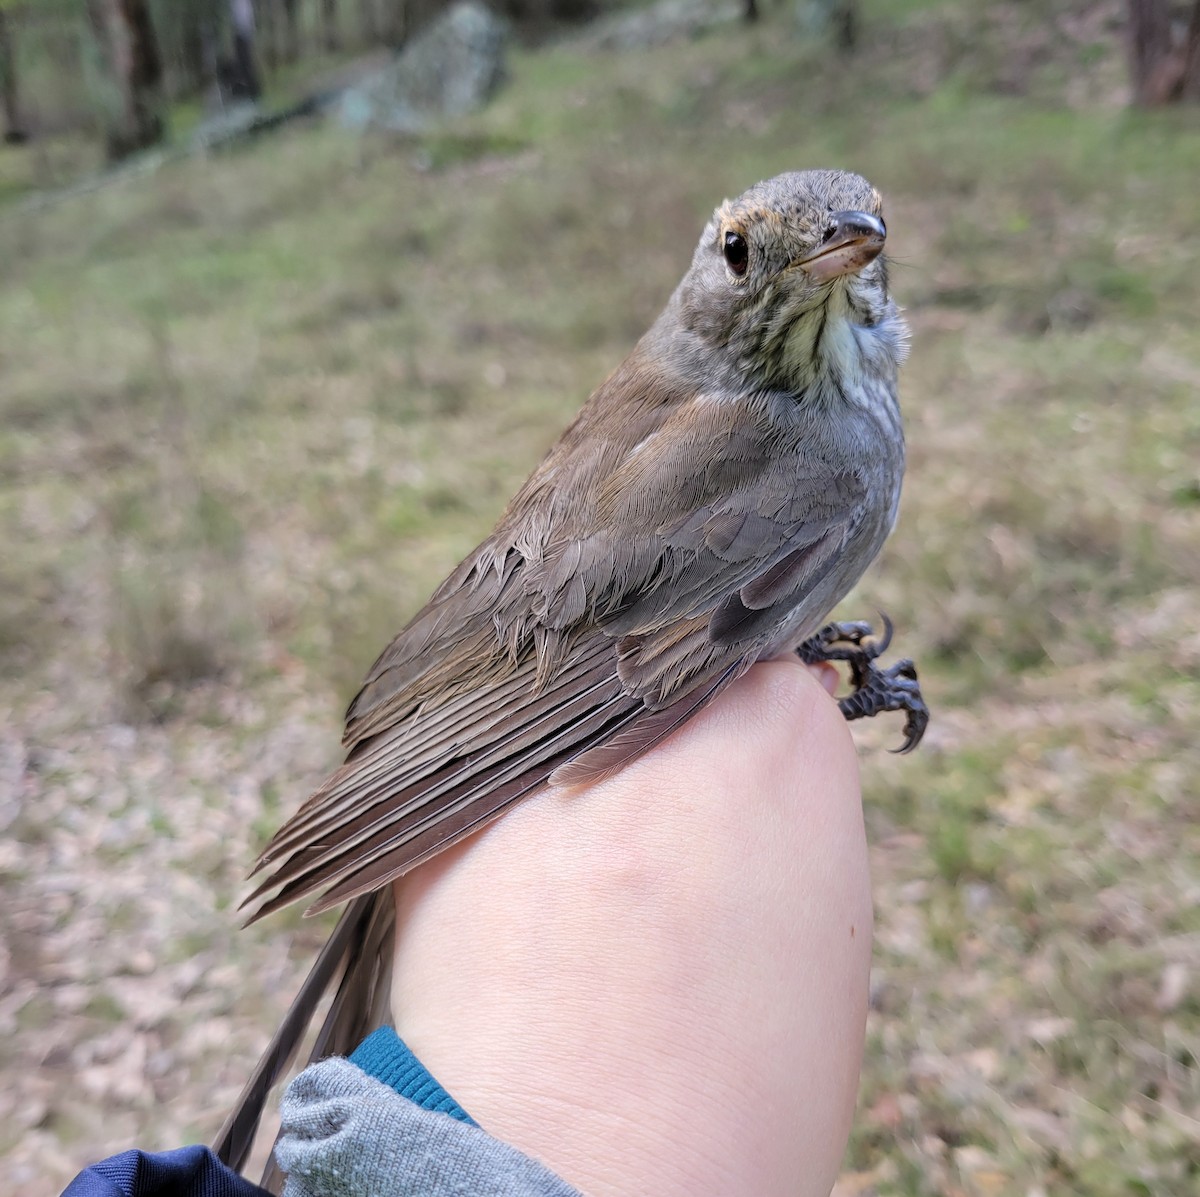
[846, 642]
[875, 690]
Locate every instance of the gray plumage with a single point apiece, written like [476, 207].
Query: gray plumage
[715, 498]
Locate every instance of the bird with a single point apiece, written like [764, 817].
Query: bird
[711, 503]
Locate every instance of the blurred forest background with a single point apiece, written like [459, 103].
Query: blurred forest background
[255, 401]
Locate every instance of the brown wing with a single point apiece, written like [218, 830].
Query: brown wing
[595, 619]
[700, 542]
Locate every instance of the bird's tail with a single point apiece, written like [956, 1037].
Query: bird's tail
[357, 959]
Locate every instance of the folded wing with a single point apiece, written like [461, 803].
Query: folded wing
[590, 624]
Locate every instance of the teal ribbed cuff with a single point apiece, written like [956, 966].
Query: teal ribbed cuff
[386, 1057]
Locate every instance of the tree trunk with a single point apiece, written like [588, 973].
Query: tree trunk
[1150, 50]
[835, 21]
[395, 23]
[241, 16]
[368, 22]
[1190, 88]
[191, 57]
[329, 26]
[290, 48]
[133, 110]
[1163, 69]
[195, 39]
[845, 26]
[15, 132]
[268, 35]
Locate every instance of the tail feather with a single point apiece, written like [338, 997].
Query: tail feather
[357, 958]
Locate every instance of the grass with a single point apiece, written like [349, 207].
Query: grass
[254, 407]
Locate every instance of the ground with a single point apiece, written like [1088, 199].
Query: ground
[255, 406]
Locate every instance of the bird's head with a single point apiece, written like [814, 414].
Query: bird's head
[777, 265]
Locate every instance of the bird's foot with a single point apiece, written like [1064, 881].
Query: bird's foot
[875, 689]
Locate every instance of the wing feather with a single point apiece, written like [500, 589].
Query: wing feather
[415, 751]
[580, 633]
[341, 828]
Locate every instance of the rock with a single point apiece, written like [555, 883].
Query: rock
[453, 67]
[225, 124]
[666, 21]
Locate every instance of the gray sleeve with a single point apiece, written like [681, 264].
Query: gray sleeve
[345, 1134]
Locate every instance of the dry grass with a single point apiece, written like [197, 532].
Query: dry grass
[254, 408]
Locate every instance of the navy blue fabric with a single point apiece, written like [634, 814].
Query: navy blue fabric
[196, 1172]
[184, 1172]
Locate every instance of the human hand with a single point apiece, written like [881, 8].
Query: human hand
[659, 983]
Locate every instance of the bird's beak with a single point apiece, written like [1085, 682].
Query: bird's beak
[854, 239]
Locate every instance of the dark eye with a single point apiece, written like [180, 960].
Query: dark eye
[737, 252]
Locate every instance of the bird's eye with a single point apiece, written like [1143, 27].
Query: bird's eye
[737, 252]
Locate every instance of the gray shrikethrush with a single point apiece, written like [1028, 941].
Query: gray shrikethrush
[715, 498]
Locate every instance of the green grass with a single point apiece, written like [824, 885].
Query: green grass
[255, 406]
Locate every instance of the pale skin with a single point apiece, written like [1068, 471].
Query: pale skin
[658, 984]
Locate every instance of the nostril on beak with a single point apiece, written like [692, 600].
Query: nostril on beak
[850, 241]
[859, 225]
